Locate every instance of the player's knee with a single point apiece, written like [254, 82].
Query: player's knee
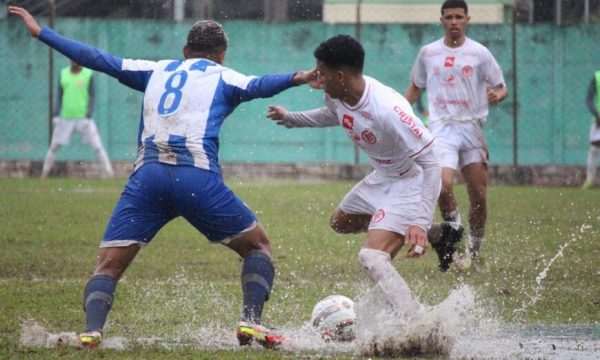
[255, 240]
[479, 199]
[335, 223]
[54, 148]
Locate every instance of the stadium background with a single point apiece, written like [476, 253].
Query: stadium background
[554, 61]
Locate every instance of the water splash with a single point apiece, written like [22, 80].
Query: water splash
[536, 296]
[381, 333]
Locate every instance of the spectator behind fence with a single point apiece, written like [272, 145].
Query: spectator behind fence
[73, 113]
[593, 104]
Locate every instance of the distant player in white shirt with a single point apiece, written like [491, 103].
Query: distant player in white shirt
[461, 77]
[395, 203]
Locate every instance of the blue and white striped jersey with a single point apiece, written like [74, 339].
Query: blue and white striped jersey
[185, 101]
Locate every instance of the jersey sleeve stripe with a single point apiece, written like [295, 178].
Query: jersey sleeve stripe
[423, 148]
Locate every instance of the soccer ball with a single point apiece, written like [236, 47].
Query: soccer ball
[334, 318]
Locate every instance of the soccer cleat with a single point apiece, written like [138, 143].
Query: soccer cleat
[452, 233]
[90, 339]
[587, 185]
[266, 337]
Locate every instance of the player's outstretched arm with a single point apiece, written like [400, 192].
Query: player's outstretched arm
[321, 117]
[29, 21]
[84, 54]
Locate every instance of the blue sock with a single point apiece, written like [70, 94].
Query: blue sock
[97, 300]
[257, 278]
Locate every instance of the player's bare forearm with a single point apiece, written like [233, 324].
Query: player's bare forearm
[32, 26]
[412, 93]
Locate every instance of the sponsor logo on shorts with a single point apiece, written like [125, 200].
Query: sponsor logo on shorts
[449, 62]
[384, 161]
[348, 122]
[378, 216]
[369, 137]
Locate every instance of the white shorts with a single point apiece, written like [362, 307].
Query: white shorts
[459, 143]
[594, 132]
[64, 129]
[393, 202]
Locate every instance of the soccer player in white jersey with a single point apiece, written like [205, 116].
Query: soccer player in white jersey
[462, 78]
[177, 171]
[395, 203]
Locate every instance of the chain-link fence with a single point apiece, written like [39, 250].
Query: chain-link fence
[548, 66]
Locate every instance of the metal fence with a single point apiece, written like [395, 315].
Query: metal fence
[548, 66]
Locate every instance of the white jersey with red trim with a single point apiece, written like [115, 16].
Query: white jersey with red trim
[384, 126]
[456, 79]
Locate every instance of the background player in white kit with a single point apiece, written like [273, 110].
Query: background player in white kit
[177, 172]
[395, 203]
[461, 77]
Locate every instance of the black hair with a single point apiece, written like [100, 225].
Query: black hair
[341, 51]
[207, 36]
[453, 4]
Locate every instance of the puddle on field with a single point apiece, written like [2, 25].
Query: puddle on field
[455, 328]
[547, 342]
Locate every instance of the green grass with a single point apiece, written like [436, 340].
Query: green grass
[50, 231]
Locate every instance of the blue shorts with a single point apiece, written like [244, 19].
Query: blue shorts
[157, 193]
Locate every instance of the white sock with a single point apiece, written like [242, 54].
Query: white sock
[378, 267]
[475, 243]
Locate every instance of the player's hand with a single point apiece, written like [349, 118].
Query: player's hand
[307, 77]
[492, 96]
[32, 25]
[55, 120]
[276, 113]
[416, 238]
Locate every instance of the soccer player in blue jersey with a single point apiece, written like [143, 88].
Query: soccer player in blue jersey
[176, 172]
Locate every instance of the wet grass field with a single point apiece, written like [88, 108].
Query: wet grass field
[181, 298]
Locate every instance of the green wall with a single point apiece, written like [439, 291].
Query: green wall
[554, 65]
